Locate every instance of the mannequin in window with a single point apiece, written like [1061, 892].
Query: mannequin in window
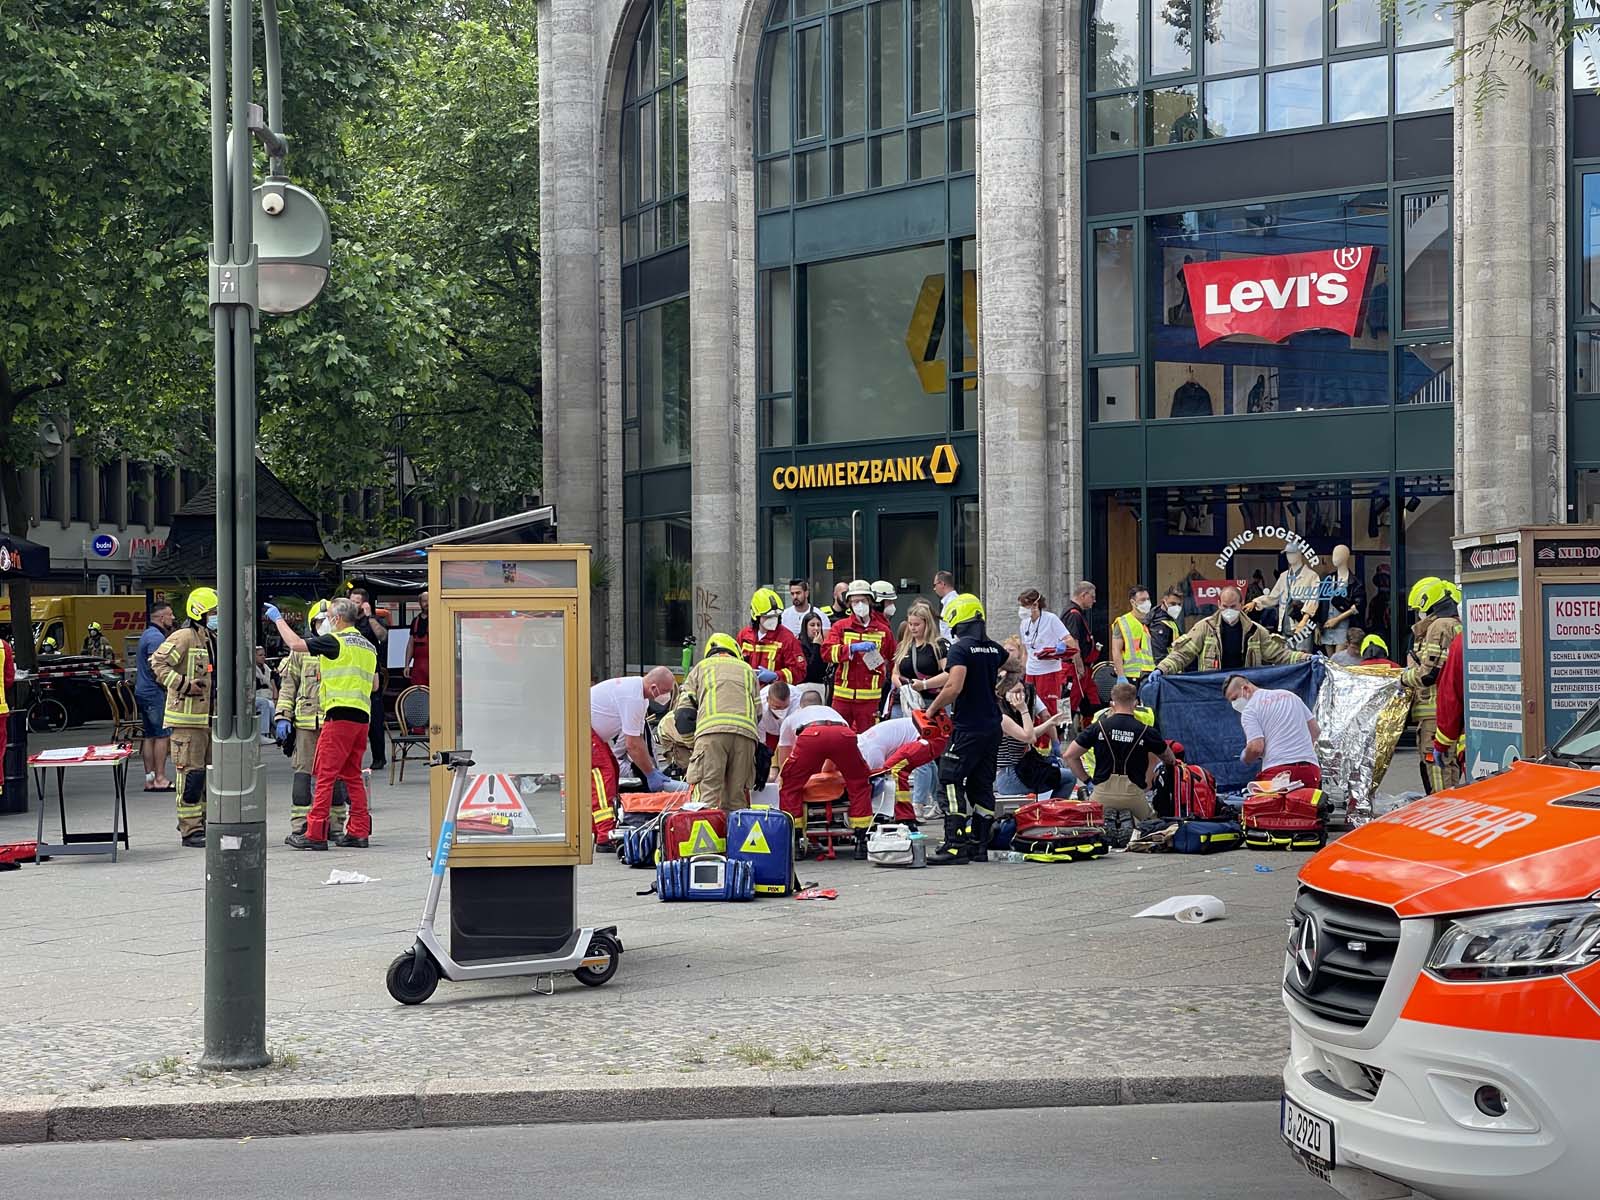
[1256, 400]
[1180, 313]
[1191, 399]
[1297, 597]
[1346, 601]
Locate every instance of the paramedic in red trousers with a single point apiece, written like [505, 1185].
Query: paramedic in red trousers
[821, 741]
[1086, 699]
[1279, 731]
[346, 693]
[617, 710]
[770, 649]
[861, 648]
[967, 767]
[1449, 732]
[1045, 638]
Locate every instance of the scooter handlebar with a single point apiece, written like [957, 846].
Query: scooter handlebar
[451, 759]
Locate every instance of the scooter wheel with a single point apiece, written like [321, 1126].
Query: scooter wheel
[410, 981]
[600, 943]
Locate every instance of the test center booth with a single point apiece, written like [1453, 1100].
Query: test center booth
[1530, 615]
[509, 662]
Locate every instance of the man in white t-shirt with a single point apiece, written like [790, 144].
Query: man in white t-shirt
[617, 710]
[876, 744]
[777, 700]
[1279, 731]
[800, 607]
[944, 587]
[808, 709]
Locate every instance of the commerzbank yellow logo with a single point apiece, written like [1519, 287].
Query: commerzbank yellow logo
[940, 465]
[929, 321]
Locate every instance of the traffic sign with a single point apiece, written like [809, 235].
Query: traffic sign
[104, 545]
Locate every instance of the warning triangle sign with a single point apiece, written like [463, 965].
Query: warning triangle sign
[755, 842]
[492, 794]
[705, 840]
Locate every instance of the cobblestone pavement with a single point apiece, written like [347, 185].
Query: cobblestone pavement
[1040, 967]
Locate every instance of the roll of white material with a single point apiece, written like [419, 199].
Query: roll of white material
[1188, 910]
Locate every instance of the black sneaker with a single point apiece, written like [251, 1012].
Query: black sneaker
[300, 841]
[195, 840]
[345, 842]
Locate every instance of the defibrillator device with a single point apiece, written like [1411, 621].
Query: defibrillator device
[705, 877]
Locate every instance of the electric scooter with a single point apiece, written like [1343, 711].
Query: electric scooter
[591, 955]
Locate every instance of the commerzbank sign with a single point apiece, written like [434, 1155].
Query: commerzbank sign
[939, 466]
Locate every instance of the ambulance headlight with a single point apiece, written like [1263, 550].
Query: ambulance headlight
[1519, 943]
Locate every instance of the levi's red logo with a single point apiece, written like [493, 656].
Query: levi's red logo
[1279, 294]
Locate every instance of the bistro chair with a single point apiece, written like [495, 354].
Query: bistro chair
[409, 730]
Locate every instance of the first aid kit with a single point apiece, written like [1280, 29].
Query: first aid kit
[895, 846]
[1207, 837]
[764, 838]
[1289, 820]
[1043, 817]
[686, 832]
[705, 877]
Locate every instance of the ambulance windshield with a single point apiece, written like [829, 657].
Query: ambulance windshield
[1582, 742]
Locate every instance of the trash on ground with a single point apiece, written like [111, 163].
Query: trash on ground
[338, 876]
[1187, 910]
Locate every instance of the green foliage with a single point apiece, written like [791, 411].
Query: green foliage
[417, 130]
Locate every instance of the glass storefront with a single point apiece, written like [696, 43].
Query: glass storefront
[1263, 66]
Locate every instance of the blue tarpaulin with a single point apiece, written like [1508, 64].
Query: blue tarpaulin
[1190, 709]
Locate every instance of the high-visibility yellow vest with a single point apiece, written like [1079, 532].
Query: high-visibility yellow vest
[1137, 658]
[347, 680]
[4, 706]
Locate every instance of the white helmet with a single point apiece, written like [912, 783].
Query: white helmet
[858, 587]
[883, 591]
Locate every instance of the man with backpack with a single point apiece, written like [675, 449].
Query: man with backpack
[1126, 751]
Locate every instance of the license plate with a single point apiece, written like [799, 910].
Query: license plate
[1308, 1135]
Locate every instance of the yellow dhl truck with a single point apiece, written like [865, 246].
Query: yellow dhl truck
[66, 619]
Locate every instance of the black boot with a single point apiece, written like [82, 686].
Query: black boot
[955, 848]
[861, 845]
[982, 828]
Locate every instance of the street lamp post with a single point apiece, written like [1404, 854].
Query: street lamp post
[280, 272]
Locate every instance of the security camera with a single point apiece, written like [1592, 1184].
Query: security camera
[272, 203]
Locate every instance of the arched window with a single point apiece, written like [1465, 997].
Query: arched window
[1262, 66]
[655, 135]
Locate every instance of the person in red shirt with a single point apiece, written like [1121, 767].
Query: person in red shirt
[1375, 652]
[1449, 720]
[861, 648]
[417, 645]
[770, 649]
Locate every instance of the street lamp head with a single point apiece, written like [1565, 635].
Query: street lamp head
[293, 244]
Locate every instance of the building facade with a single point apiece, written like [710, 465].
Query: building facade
[1035, 291]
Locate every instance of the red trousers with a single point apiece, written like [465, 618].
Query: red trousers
[815, 745]
[603, 787]
[1304, 774]
[1048, 689]
[340, 746]
[861, 715]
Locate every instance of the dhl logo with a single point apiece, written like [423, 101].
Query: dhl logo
[125, 621]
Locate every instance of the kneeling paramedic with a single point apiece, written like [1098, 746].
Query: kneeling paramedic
[717, 704]
[183, 666]
[345, 701]
[1126, 750]
[967, 767]
[297, 719]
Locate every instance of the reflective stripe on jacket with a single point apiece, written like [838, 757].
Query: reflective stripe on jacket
[347, 680]
[184, 659]
[722, 691]
[299, 690]
[1136, 656]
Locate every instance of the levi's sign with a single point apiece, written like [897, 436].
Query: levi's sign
[1276, 295]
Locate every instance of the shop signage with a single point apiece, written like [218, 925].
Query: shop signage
[940, 466]
[1205, 591]
[1492, 673]
[1565, 552]
[1290, 539]
[1278, 294]
[1572, 655]
[1488, 557]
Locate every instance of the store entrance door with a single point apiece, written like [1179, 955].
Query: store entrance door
[903, 543]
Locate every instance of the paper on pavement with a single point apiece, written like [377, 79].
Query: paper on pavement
[338, 876]
[1188, 910]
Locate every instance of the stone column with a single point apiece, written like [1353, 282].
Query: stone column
[713, 408]
[1013, 349]
[1509, 271]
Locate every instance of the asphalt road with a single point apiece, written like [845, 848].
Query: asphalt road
[1184, 1152]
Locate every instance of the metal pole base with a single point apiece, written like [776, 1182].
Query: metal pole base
[236, 911]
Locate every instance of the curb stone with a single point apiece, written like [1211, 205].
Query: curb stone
[443, 1102]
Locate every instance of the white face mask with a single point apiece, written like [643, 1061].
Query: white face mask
[861, 608]
[322, 625]
[1242, 703]
[1231, 615]
[769, 623]
[1024, 614]
[888, 610]
[1142, 607]
[1174, 611]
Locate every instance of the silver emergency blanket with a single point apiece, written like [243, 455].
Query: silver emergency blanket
[1360, 712]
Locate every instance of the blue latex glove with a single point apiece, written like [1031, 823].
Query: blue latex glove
[272, 612]
[281, 729]
[1061, 648]
[860, 647]
[765, 676]
[657, 781]
[1122, 679]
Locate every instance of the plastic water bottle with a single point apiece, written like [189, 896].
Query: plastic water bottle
[1007, 856]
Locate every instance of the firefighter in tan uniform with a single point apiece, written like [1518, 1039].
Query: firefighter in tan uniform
[717, 706]
[298, 716]
[183, 666]
[1438, 623]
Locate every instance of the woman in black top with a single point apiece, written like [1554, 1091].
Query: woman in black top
[811, 644]
[922, 651]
